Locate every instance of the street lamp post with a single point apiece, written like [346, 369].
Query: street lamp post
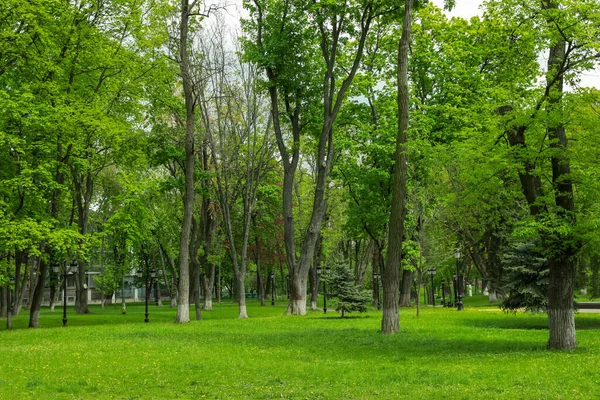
[459, 305]
[318, 270]
[432, 272]
[272, 276]
[443, 293]
[148, 277]
[57, 270]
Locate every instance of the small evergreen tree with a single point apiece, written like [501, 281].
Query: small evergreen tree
[350, 297]
[528, 278]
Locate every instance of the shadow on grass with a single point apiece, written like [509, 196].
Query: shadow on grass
[533, 322]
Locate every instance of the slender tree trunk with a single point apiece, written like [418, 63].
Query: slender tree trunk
[375, 268]
[209, 284]
[241, 289]
[183, 301]
[164, 274]
[595, 264]
[582, 276]
[390, 322]
[195, 244]
[314, 278]
[260, 285]
[38, 294]
[4, 301]
[20, 260]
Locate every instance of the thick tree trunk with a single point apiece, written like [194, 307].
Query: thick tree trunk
[183, 300]
[561, 313]
[390, 322]
[297, 303]
[407, 280]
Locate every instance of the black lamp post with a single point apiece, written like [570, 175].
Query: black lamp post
[148, 277]
[377, 277]
[287, 284]
[432, 272]
[57, 270]
[443, 293]
[455, 301]
[272, 276]
[459, 305]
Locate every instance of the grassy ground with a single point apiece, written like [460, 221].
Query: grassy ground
[478, 354]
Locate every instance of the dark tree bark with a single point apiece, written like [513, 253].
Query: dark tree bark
[195, 243]
[183, 295]
[313, 277]
[595, 266]
[390, 322]
[407, 280]
[84, 189]
[559, 251]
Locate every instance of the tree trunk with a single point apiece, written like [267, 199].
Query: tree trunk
[38, 295]
[582, 276]
[241, 289]
[195, 243]
[314, 278]
[595, 264]
[158, 295]
[209, 284]
[407, 280]
[183, 300]
[81, 305]
[561, 313]
[390, 322]
[374, 281]
[297, 303]
[4, 301]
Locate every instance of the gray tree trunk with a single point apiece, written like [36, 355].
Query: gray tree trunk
[390, 322]
[183, 300]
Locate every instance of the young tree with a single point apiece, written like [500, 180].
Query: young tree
[350, 297]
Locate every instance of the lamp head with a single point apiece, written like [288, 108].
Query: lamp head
[457, 253]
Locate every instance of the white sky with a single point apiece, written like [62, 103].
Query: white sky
[469, 8]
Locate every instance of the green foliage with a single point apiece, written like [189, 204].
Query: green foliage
[349, 297]
[527, 278]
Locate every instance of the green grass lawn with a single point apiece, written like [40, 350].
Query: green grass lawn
[477, 354]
